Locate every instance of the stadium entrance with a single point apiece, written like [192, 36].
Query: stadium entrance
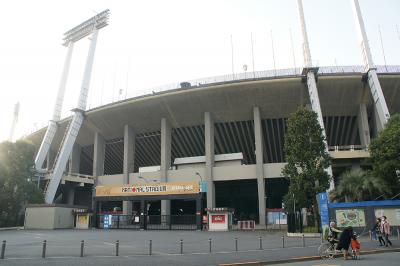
[186, 206]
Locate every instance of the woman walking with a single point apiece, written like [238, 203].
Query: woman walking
[385, 229]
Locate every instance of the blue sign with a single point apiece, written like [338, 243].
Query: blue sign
[203, 186]
[107, 221]
[323, 209]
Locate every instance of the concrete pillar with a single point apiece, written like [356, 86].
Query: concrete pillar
[75, 159]
[98, 154]
[165, 161]
[259, 145]
[71, 195]
[363, 127]
[129, 157]
[209, 148]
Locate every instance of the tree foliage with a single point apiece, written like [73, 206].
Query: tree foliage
[358, 185]
[16, 189]
[306, 159]
[385, 155]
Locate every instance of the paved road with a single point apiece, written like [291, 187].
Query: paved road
[24, 247]
[386, 259]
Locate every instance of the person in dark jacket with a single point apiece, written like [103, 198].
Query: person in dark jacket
[344, 241]
[376, 231]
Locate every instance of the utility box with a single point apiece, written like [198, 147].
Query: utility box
[219, 219]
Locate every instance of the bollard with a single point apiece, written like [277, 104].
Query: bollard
[304, 240]
[398, 233]
[181, 243]
[370, 235]
[260, 239]
[209, 244]
[236, 244]
[3, 249]
[150, 247]
[82, 246]
[44, 249]
[117, 248]
[283, 241]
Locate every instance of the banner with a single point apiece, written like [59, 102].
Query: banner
[170, 188]
[322, 199]
[350, 217]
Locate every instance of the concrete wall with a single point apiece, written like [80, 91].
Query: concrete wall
[49, 217]
[231, 171]
[234, 172]
[273, 170]
[110, 180]
[39, 218]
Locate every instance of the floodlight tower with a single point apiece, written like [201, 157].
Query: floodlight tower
[52, 126]
[370, 70]
[310, 72]
[89, 27]
[14, 122]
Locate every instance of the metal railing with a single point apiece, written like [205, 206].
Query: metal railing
[348, 148]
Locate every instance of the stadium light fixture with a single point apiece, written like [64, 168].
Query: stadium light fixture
[86, 28]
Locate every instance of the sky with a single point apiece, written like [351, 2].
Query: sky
[154, 42]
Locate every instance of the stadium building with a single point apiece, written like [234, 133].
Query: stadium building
[215, 142]
[226, 132]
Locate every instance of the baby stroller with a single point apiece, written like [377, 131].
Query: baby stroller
[355, 247]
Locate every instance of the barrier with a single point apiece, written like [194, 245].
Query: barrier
[247, 225]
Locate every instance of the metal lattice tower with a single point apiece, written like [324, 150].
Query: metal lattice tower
[89, 27]
[370, 70]
[310, 73]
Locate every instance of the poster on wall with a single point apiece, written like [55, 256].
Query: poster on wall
[218, 218]
[350, 217]
[392, 215]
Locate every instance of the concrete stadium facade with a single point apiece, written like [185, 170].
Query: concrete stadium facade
[227, 131]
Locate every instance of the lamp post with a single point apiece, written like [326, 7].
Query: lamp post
[201, 179]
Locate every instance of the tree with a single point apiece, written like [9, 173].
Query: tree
[16, 188]
[358, 185]
[385, 155]
[306, 159]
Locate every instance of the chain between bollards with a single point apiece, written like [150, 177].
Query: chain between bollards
[3, 249]
[260, 239]
[44, 249]
[283, 241]
[304, 240]
[209, 244]
[82, 247]
[117, 248]
[150, 246]
[181, 243]
[236, 244]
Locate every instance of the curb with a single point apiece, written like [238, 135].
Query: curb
[309, 258]
[11, 228]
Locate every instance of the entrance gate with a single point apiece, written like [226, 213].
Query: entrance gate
[144, 194]
[147, 222]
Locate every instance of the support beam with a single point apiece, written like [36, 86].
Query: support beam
[165, 161]
[75, 159]
[379, 101]
[310, 73]
[363, 127]
[52, 127]
[98, 154]
[259, 145]
[209, 149]
[129, 155]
